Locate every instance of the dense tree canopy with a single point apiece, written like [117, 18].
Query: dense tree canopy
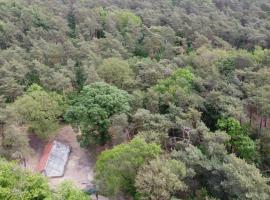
[117, 168]
[39, 110]
[92, 108]
[68, 191]
[18, 184]
[240, 143]
[116, 72]
[188, 79]
[160, 179]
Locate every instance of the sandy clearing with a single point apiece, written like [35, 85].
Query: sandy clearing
[80, 166]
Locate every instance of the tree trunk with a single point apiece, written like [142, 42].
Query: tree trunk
[261, 122]
[2, 132]
[240, 120]
[24, 162]
[265, 122]
[250, 117]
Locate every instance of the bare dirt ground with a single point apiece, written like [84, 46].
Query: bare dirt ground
[80, 166]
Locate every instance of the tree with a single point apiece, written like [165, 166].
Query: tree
[71, 22]
[144, 120]
[265, 147]
[119, 129]
[225, 176]
[230, 125]
[149, 72]
[159, 41]
[160, 179]
[14, 143]
[116, 169]
[244, 181]
[183, 61]
[116, 71]
[17, 184]
[181, 78]
[260, 97]
[126, 21]
[160, 138]
[12, 75]
[129, 26]
[240, 142]
[67, 191]
[39, 110]
[108, 47]
[213, 144]
[218, 105]
[92, 108]
[174, 92]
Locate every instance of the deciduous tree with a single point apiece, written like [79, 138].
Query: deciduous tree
[17, 184]
[116, 169]
[160, 179]
[39, 110]
[92, 108]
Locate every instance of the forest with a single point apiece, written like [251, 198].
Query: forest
[175, 93]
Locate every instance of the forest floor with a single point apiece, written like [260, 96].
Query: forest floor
[80, 166]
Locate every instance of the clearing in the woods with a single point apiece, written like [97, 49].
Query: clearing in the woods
[79, 168]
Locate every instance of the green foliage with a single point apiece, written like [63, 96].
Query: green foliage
[80, 77]
[180, 79]
[231, 126]
[126, 20]
[116, 72]
[245, 147]
[227, 66]
[39, 110]
[202, 194]
[67, 191]
[260, 97]
[92, 108]
[218, 105]
[226, 176]
[17, 184]
[160, 138]
[244, 181]
[72, 23]
[160, 179]
[128, 26]
[144, 120]
[148, 72]
[213, 144]
[116, 169]
[40, 19]
[240, 142]
[265, 146]
[65, 45]
[14, 143]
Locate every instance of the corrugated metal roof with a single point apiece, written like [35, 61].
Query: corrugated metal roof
[54, 159]
[44, 157]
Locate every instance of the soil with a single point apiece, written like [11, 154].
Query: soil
[79, 168]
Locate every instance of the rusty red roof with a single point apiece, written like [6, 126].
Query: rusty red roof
[44, 158]
[54, 159]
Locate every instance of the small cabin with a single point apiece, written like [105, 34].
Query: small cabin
[54, 159]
